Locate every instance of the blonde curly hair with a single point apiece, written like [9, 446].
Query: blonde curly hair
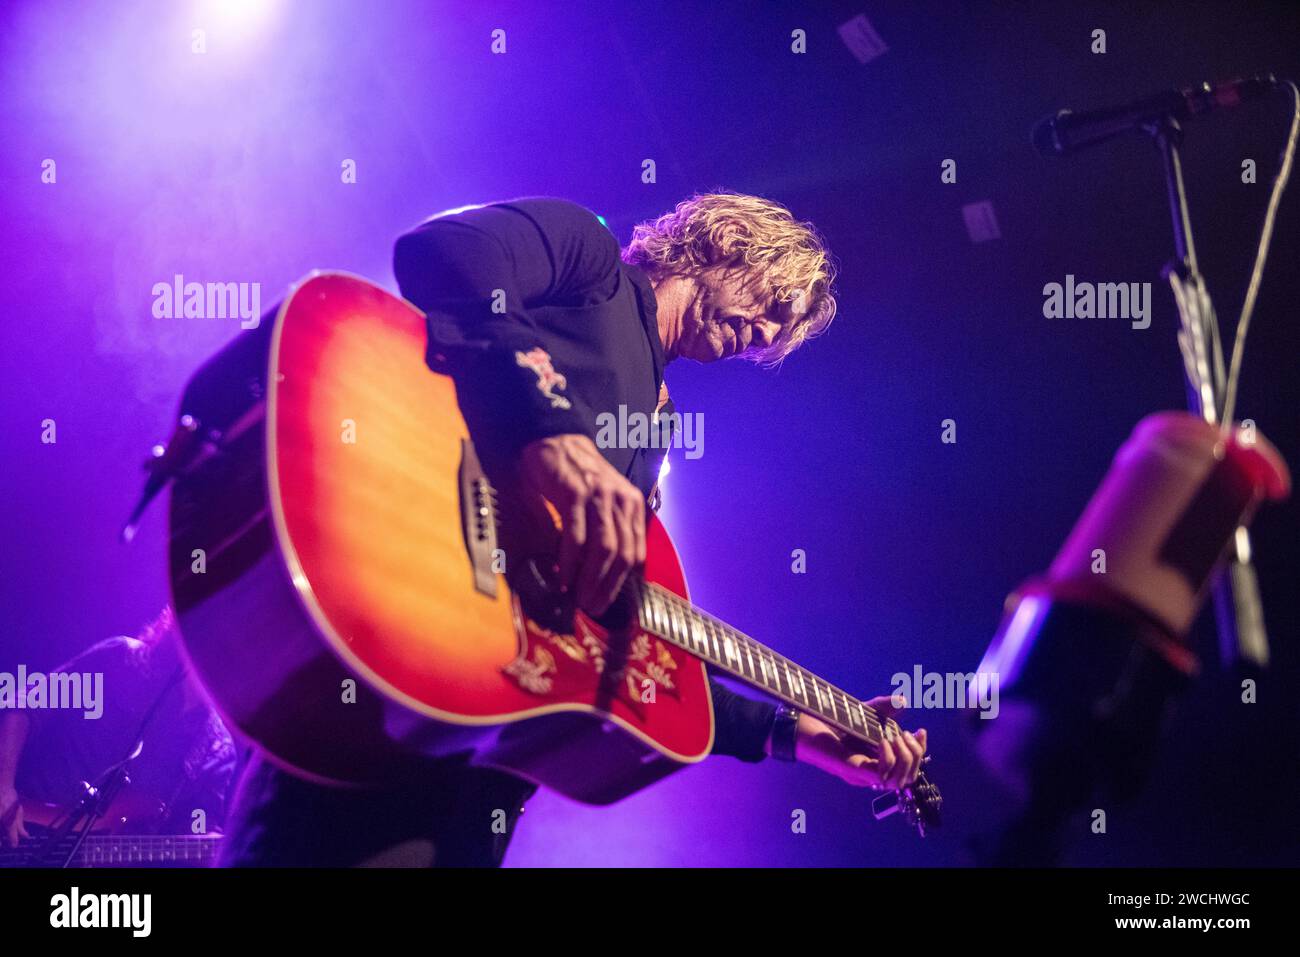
[755, 234]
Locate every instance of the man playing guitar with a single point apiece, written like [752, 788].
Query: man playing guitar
[544, 324]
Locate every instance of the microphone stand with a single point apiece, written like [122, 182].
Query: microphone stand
[1238, 608]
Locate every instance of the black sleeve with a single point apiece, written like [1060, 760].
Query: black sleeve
[476, 274]
[741, 725]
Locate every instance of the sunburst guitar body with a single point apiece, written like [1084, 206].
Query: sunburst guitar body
[357, 595]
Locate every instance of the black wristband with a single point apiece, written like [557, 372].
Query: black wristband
[784, 733]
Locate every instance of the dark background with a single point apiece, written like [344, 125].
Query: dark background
[225, 167]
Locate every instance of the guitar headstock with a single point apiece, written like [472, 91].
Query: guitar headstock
[919, 803]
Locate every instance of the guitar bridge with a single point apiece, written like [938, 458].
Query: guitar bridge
[478, 517]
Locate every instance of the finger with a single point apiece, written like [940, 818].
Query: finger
[598, 555]
[863, 773]
[624, 556]
[912, 751]
[922, 743]
[918, 746]
[906, 759]
[637, 520]
[889, 776]
[572, 542]
[887, 705]
[630, 514]
[886, 762]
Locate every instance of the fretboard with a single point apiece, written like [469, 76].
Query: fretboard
[114, 850]
[124, 850]
[680, 623]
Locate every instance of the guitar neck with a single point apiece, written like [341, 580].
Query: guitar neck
[125, 850]
[680, 623]
[113, 850]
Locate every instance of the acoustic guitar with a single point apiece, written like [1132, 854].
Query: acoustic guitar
[357, 594]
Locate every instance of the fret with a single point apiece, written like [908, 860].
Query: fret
[716, 642]
[835, 714]
[866, 721]
[675, 622]
[854, 717]
[644, 615]
[856, 714]
[803, 688]
[833, 694]
[776, 674]
[688, 627]
[805, 680]
[699, 630]
[711, 629]
[749, 651]
[729, 646]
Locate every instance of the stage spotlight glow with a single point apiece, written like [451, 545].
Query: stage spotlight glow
[237, 23]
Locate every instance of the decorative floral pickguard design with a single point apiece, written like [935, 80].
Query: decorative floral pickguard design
[560, 665]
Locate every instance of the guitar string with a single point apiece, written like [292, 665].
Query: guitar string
[113, 847]
[649, 592]
[766, 657]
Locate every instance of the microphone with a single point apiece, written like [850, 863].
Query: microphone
[1068, 131]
